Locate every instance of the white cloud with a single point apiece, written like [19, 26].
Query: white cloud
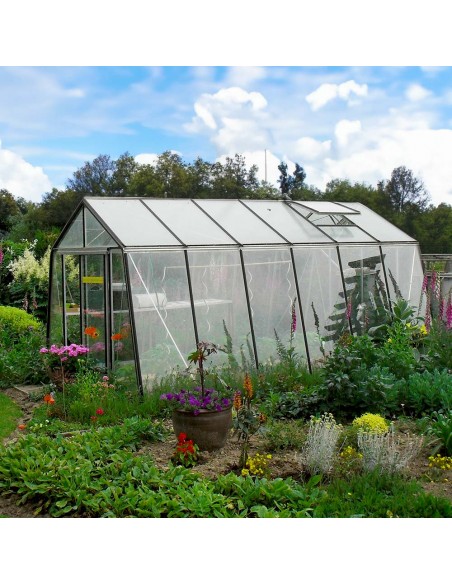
[416, 92]
[329, 91]
[21, 178]
[310, 149]
[245, 76]
[146, 158]
[233, 118]
[344, 129]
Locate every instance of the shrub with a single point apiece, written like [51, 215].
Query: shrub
[372, 423]
[441, 428]
[15, 322]
[290, 434]
[321, 445]
[387, 452]
[423, 393]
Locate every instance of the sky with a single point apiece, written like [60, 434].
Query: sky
[338, 122]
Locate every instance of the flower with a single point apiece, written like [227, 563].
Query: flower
[48, 398]
[248, 386]
[99, 412]
[237, 401]
[21, 427]
[193, 400]
[293, 324]
[116, 337]
[91, 331]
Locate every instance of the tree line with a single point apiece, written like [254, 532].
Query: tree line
[402, 198]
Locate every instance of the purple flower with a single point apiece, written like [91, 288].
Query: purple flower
[2, 255]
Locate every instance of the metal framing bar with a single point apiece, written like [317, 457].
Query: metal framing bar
[132, 323]
[345, 288]
[303, 326]
[250, 314]
[386, 278]
[216, 222]
[63, 284]
[101, 221]
[288, 203]
[162, 222]
[50, 298]
[108, 311]
[190, 291]
[265, 222]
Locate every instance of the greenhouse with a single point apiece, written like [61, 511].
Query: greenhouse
[140, 281]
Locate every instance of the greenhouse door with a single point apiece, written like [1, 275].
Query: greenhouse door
[95, 308]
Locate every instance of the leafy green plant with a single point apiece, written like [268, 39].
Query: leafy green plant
[248, 420]
[10, 413]
[379, 495]
[15, 322]
[423, 393]
[285, 434]
[441, 429]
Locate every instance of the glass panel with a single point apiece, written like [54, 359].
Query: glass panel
[95, 234]
[188, 222]
[220, 301]
[342, 233]
[74, 235]
[322, 297]
[56, 307]
[162, 311]
[240, 222]
[93, 317]
[291, 226]
[405, 275]
[324, 207]
[272, 291]
[72, 278]
[132, 222]
[377, 226]
[123, 359]
[366, 290]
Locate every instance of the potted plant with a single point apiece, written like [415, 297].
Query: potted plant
[203, 414]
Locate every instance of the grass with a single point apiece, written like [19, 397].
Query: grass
[10, 413]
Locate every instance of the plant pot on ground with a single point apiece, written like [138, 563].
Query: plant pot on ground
[203, 414]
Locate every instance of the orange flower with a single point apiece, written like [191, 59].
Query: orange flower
[49, 399]
[91, 331]
[248, 386]
[116, 337]
[21, 426]
[237, 401]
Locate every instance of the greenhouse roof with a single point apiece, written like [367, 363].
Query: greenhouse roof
[150, 222]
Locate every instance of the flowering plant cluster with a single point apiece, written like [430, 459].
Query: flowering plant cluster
[372, 423]
[194, 400]
[57, 355]
[186, 452]
[257, 465]
[248, 420]
[441, 462]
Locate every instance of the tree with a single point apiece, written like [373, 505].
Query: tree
[291, 185]
[404, 191]
[8, 210]
[93, 178]
[433, 229]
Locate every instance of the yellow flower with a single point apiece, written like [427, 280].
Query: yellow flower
[423, 330]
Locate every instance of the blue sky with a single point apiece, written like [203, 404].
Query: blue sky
[337, 122]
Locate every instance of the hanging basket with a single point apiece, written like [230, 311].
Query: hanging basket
[209, 429]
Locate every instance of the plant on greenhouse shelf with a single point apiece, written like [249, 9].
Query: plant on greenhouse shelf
[203, 414]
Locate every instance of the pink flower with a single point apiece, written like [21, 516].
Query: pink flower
[105, 378]
[349, 309]
[449, 314]
[1, 254]
[44, 350]
[424, 283]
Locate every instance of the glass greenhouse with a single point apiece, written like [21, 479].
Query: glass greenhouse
[140, 281]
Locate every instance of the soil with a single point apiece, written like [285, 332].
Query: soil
[284, 463]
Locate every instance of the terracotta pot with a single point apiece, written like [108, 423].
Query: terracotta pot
[208, 429]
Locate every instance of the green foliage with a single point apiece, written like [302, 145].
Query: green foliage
[281, 434]
[438, 346]
[441, 428]
[354, 382]
[292, 404]
[376, 495]
[21, 337]
[10, 413]
[423, 393]
[15, 322]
